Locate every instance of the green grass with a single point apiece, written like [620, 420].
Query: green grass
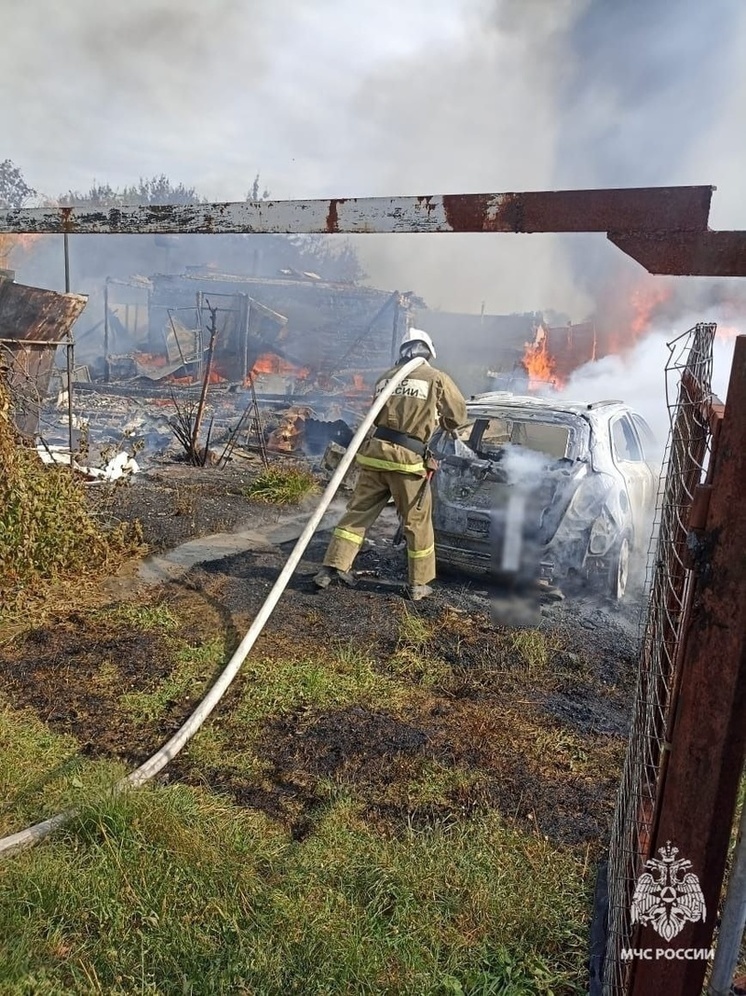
[339, 678]
[143, 617]
[533, 647]
[282, 486]
[174, 891]
[42, 772]
[193, 667]
[414, 657]
[269, 688]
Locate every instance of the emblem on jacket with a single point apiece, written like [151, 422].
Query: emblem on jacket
[663, 898]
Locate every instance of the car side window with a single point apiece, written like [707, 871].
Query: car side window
[645, 434]
[624, 441]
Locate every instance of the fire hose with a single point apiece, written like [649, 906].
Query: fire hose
[39, 831]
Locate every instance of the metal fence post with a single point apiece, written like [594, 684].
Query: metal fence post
[698, 796]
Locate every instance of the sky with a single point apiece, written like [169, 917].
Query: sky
[335, 98]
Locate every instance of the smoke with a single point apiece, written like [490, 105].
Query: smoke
[582, 93]
[638, 378]
[379, 97]
[527, 468]
[475, 113]
[647, 80]
[90, 84]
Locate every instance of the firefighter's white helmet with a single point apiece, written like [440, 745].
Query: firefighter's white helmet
[417, 335]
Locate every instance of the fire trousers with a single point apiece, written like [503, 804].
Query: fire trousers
[368, 500]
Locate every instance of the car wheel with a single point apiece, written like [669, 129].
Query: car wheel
[619, 570]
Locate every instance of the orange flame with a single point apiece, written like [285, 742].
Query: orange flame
[12, 246]
[271, 363]
[645, 301]
[540, 366]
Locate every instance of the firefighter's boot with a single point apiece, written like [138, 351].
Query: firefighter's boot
[417, 592]
[328, 574]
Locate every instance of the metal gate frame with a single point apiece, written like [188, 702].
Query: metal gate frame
[665, 229]
[688, 738]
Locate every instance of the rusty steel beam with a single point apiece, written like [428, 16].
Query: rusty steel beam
[643, 209]
[708, 740]
[705, 254]
[663, 228]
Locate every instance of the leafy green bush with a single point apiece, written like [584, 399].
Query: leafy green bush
[46, 530]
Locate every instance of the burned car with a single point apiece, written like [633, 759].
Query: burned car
[533, 489]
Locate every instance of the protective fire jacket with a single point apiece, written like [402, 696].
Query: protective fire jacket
[424, 400]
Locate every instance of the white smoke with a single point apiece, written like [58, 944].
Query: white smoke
[544, 96]
[378, 97]
[638, 378]
[525, 469]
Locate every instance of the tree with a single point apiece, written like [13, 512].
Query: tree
[160, 190]
[150, 190]
[14, 191]
[326, 255]
[253, 194]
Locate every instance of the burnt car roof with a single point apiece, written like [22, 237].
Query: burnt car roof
[503, 400]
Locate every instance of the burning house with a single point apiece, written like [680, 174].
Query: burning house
[287, 335]
[517, 353]
[555, 352]
[479, 349]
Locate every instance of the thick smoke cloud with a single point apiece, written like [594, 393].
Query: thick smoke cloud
[638, 377]
[645, 80]
[570, 94]
[87, 86]
[647, 86]
[206, 92]
[379, 97]
[476, 113]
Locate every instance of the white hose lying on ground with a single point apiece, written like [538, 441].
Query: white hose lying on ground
[33, 834]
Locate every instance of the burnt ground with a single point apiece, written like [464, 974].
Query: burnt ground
[175, 502]
[475, 719]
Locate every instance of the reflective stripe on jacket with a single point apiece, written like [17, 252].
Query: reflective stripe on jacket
[425, 399]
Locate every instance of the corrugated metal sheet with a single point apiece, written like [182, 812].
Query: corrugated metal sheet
[32, 323]
[33, 313]
[312, 323]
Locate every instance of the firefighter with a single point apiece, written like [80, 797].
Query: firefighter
[395, 462]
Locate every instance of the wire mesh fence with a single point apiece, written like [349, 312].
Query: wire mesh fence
[669, 579]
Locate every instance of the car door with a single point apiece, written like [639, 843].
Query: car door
[652, 455]
[629, 457]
